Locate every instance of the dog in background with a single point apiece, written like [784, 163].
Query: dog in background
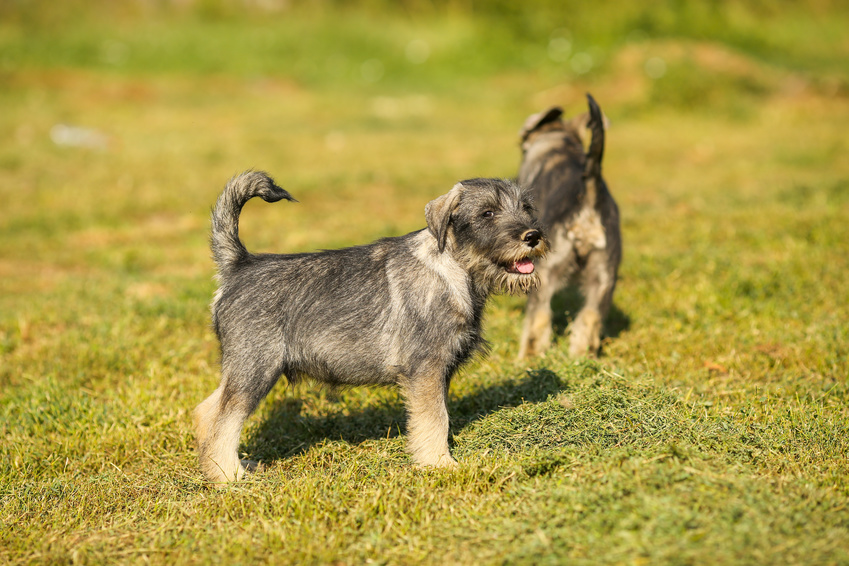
[403, 311]
[581, 220]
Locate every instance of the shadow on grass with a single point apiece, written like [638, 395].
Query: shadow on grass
[287, 433]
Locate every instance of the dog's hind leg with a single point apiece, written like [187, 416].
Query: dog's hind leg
[218, 424]
[597, 285]
[537, 331]
[427, 420]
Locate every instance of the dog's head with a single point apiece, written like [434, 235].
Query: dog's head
[545, 121]
[490, 226]
[579, 127]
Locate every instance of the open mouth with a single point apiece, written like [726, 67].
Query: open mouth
[522, 266]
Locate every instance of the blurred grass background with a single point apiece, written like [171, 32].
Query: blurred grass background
[714, 427]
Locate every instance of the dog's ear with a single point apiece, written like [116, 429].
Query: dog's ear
[540, 119]
[438, 214]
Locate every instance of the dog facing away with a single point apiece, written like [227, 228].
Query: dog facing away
[581, 220]
[401, 311]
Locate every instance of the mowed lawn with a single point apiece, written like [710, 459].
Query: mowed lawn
[714, 427]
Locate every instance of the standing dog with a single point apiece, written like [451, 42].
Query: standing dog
[582, 222]
[404, 310]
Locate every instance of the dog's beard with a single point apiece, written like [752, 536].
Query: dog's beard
[518, 275]
[504, 277]
[512, 271]
[514, 283]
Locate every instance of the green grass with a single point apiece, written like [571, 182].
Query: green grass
[713, 429]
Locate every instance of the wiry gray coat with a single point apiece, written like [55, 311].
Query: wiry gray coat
[404, 310]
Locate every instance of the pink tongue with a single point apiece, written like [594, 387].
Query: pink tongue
[524, 266]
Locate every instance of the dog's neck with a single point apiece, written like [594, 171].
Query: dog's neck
[464, 295]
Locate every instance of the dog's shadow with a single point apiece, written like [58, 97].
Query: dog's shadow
[287, 432]
[566, 303]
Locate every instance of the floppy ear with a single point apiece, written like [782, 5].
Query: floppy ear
[438, 214]
[539, 119]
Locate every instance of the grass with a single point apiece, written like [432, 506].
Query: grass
[712, 430]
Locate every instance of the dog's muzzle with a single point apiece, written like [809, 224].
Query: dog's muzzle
[532, 238]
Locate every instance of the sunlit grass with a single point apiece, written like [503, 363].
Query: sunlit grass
[713, 429]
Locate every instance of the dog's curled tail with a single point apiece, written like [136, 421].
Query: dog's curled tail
[592, 165]
[227, 249]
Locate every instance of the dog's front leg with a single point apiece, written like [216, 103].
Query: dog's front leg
[427, 420]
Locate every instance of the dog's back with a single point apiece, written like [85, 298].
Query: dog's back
[316, 301]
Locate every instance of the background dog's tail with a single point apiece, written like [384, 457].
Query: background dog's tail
[592, 165]
[227, 249]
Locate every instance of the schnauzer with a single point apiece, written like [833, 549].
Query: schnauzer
[582, 222]
[401, 311]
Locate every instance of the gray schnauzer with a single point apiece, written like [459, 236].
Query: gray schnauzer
[401, 311]
[582, 222]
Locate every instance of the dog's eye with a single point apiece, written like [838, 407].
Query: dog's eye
[488, 214]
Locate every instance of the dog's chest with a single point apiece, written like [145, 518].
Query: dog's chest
[586, 232]
[443, 285]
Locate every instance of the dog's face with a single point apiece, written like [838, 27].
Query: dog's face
[490, 227]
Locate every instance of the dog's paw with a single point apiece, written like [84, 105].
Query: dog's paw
[585, 334]
[584, 345]
[444, 461]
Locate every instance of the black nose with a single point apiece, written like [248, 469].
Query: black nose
[531, 237]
